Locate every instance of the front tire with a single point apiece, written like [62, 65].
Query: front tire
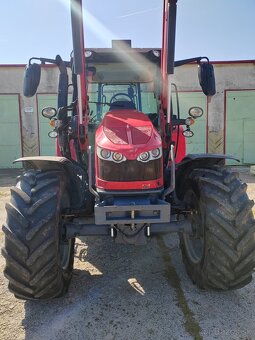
[38, 264]
[220, 254]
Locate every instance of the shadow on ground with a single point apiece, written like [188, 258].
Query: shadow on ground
[123, 292]
[117, 292]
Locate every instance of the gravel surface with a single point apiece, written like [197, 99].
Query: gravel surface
[128, 292]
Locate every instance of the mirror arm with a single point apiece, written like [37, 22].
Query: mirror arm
[190, 60]
[47, 60]
[180, 121]
[61, 65]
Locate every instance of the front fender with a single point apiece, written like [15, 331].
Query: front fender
[207, 156]
[194, 161]
[70, 170]
[44, 162]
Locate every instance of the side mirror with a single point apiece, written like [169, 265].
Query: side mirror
[32, 78]
[206, 78]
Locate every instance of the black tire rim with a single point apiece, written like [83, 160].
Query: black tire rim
[194, 243]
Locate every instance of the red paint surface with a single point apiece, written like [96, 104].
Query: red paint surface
[181, 152]
[136, 185]
[129, 132]
[72, 149]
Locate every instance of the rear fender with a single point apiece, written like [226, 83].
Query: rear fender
[195, 161]
[48, 163]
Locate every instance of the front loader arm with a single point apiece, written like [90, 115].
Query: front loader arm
[79, 68]
[167, 54]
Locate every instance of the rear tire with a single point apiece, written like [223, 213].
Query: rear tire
[38, 264]
[220, 254]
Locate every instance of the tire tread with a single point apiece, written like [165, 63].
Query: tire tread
[229, 252]
[31, 237]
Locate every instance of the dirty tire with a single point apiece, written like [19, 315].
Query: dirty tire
[38, 266]
[225, 257]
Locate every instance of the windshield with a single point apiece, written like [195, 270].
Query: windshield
[102, 95]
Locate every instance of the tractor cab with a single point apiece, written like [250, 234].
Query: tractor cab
[122, 80]
[124, 120]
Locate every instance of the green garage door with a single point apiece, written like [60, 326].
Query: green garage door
[197, 143]
[240, 125]
[10, 141]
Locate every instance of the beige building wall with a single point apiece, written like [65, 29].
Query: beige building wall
[229, 76]
[11, 81]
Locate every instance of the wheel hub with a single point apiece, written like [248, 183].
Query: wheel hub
[194, 242]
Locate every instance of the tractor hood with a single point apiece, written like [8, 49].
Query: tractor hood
[129, 132]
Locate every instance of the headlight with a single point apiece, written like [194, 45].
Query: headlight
[49, 112]
[188, 133]
[196, 112]
[117, 157]
[109, 155]
[144, 157]
[53, 134]
[155, 153]
[88, 54]
[150, 155]
[105, 153]
[156, 53]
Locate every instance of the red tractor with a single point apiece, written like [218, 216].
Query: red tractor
[122, 171]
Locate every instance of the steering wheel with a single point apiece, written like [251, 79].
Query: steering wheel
[114, 97]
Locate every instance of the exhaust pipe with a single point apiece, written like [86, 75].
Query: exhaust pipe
[93, 192]
[172, 185]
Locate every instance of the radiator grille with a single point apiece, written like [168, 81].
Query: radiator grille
[129, 171]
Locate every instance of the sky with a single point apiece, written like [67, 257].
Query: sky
[219, 29]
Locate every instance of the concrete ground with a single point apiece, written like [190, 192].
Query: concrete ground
[128, 292]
